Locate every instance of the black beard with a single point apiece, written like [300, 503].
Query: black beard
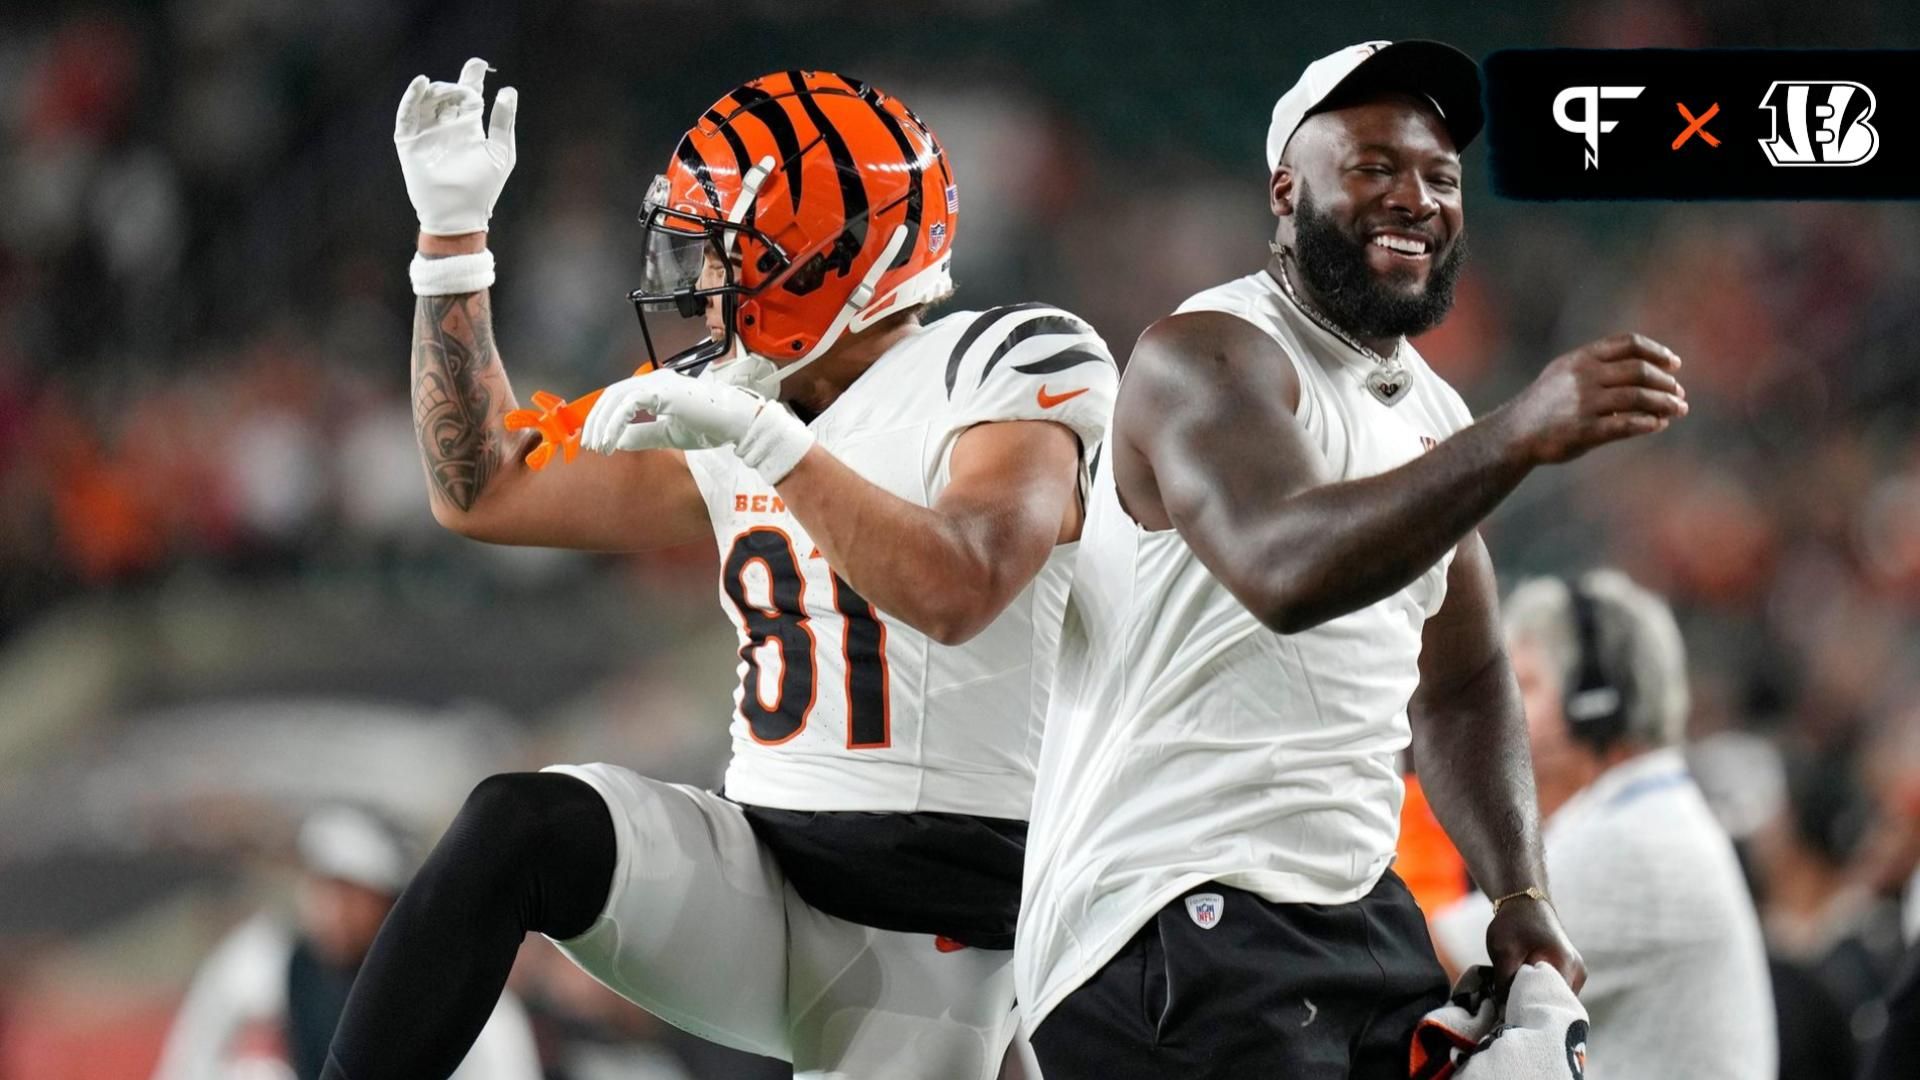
[1334, 265]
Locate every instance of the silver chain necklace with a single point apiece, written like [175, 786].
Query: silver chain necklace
[1389, 379]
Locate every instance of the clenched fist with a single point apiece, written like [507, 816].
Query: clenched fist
[697, 414]
[1604, 391]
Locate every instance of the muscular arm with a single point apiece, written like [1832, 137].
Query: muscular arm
[477, 479]
[1211, 446]
[1211, 419]
[1470, 750]
[459, 395]
[947, 570]
[1470, 736]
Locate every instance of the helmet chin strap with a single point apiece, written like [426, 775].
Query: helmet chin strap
[735, 366]
[749, 191]
[761, 375]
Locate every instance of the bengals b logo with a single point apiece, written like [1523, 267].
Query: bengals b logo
[1577, 1049]
[1820, 123]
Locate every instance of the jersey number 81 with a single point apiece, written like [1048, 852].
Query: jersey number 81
[863, 646]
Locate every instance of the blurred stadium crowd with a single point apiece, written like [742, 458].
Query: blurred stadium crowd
[209, 491]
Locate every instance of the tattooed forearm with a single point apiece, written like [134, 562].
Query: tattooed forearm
[459, 395]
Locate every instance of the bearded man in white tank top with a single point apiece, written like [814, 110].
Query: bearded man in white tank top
[1279, 588]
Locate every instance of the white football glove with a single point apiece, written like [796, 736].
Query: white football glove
[696, 414]
[1539, 1034]
[454, 170]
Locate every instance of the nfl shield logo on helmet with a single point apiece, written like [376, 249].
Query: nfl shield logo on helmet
[936, 235]
[1205, 908]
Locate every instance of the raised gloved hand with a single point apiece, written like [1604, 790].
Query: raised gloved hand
[696, 414]
[454, 170]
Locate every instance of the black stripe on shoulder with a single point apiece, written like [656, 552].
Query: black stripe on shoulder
[1061, 361]
[760, 105]
[1062, 323]
[1093, 464]
[973, 333]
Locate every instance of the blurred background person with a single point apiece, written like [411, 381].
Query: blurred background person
[1892, 1057]
[1834, 938]
[1644, 877]
[1888, 866]
[266, 1001]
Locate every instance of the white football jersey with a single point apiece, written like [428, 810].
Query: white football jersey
[1188, 743]
[840, 706]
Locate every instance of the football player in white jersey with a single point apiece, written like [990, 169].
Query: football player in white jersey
[892, 503]
[1278, 588]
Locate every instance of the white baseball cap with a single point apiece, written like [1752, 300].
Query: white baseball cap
[348, 843]
[1445, 76]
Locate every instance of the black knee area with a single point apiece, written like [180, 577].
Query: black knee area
[529, 852]
[542, 842]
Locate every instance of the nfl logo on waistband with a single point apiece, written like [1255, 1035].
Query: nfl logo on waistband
[1204, 909]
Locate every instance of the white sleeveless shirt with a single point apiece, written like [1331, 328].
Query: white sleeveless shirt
[1186, 742]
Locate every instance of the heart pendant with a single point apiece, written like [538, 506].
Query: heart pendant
[1388, 383]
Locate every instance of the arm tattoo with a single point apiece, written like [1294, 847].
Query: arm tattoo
[454, 406]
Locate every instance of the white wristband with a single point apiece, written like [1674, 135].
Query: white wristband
[452, 274]
[774, 443]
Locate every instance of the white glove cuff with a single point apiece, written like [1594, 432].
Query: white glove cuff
[452, 274]
[775, 442]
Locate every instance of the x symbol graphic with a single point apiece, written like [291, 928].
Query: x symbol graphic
[1697, 125]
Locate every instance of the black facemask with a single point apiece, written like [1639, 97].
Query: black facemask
[1334, 263]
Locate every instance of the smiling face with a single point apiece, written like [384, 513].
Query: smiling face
[1369, 199]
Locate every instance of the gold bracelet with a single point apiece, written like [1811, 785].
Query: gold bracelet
[1531, 892]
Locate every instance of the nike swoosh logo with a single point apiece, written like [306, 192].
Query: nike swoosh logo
[1048, 401]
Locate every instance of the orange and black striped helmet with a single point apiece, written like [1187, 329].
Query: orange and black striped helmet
[808, 204]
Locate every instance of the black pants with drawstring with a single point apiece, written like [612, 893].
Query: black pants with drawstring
[1302, 991]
